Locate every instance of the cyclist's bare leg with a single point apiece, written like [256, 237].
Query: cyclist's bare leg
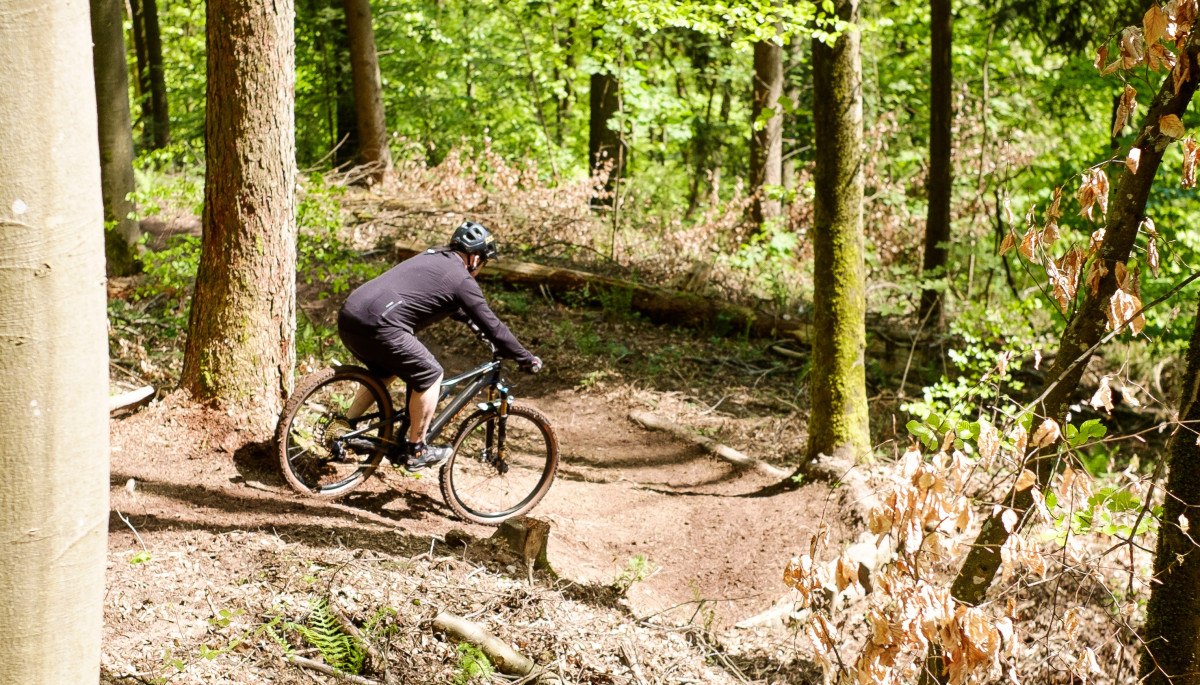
[422, 406]
[363, 399]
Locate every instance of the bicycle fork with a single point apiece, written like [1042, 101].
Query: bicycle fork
[495, 452]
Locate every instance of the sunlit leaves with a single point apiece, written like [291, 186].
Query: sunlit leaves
[1190, 152]
[1171, 125]
[1125, 109]
[1093, 192]
[1124, 307]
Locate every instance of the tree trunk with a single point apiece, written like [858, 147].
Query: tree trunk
[368, 92]
[53, 348]
[241, 348]
[161, 124]
[606, 148]
[941, 114]
[766, 136]
[794, 86]
[838, 425]
[116, 136]
[1171, 637]
[1086, 327]
[141, 81]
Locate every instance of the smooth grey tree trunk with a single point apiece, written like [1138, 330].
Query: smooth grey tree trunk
[53, 348]
[241, 333]
[373, 148]
[116, 135]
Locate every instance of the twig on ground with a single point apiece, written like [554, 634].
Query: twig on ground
[328, 670]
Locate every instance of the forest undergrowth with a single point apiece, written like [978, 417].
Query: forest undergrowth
[1072, 592]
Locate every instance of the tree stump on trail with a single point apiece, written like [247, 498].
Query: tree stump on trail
[526, 537]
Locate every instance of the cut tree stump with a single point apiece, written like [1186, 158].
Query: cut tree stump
[661, 305]
[709, 445]
[526, 537]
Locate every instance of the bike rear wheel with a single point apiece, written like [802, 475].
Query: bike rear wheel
[323, 450]
[489, 479]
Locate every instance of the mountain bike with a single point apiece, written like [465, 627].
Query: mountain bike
[340, 422]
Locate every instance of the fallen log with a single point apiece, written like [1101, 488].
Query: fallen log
[711, 446]
[661, 305]
[130, 400]
[506, 659]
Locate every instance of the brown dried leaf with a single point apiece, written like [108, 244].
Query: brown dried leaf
[1065, 279]
[1029, 244]
[1181, 73]
[1152, 258]
[1086, 195]
[988, 442]
[1125, 109]
[1054, 211]
[1009, 242]
[1046, 434]
[1191, 150]
[1101, 180]
[1133, 159]
[1101, 59]
[1095, 275]
[1154, 24]
[1159, 56]
[1026, 480]
[1132, 47]
[1103, 395]
[1009, 518]
[1170, 125]
[1049, 233]
[1096, 241]
[1124, 309]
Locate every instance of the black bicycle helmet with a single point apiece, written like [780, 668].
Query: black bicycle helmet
[474, 239]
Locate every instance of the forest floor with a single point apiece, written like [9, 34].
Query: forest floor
[659, 549]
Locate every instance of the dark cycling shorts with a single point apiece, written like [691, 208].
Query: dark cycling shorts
[392, 353]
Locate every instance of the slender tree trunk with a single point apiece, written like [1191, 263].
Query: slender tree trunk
[793, 86]
[53, 348]
[348, 134]
[158, 84]
[838, 425]
[241, 348]
[116, 135]
[368, 91]
[941, 114]
[766, 136]
[1172, 633]
[1084, 330]
[605, 144]
[137, 23]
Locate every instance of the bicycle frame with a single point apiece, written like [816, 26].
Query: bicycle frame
[484, 376]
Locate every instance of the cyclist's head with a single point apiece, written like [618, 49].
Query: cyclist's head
[475, 240]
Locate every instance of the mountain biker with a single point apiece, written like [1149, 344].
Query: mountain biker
[379, 321]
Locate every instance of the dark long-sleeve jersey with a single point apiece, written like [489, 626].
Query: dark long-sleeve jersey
[423, 290]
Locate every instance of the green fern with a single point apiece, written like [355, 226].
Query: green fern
[339, 649]
[472, 664]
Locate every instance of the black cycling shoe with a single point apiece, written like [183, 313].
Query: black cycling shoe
[422, 456]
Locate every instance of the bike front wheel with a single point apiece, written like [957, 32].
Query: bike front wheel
[334, 431]
[501, 466]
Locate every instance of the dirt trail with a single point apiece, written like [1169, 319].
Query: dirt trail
[621, 492]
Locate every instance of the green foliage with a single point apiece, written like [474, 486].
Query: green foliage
[637, 569]
[140, 558]
[473, 665]
[323, 255]
[338, 648]
[770, 258]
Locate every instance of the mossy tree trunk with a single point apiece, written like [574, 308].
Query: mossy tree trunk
[838, 424]
[373, 148]
[940, 183]
[1083, 331]
[766, 131]
[1171, 638]
[53, 348]
[241, 348]
[116, 135]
